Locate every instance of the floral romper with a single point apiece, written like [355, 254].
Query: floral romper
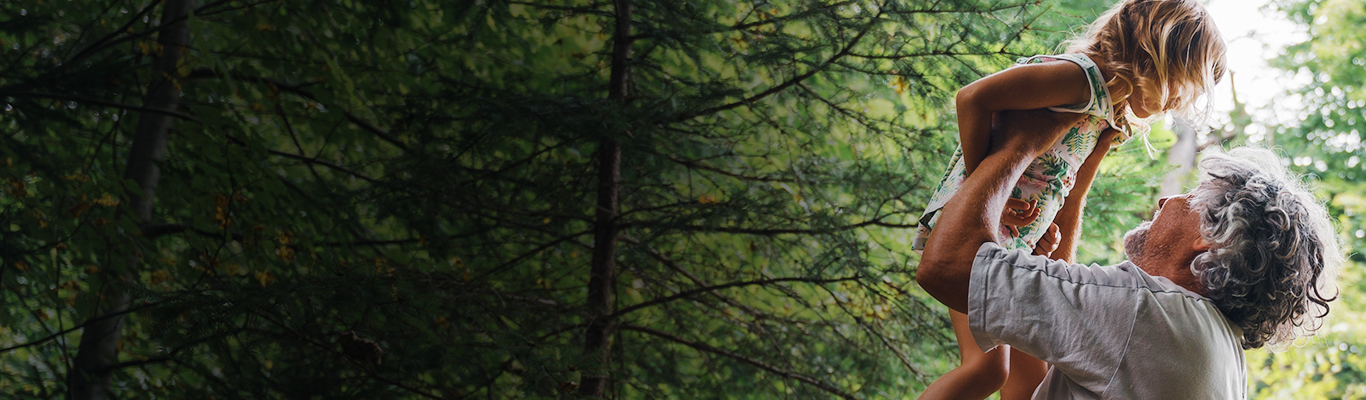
[1050, 177]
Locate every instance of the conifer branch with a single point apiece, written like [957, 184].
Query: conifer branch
[657, 208]
[134, 363]
[293, 136]
[100, 43]
[157, 230]
[741, 358]
[205, 11]
[901, 356]
[367, 371]
[315, 161]
[785, 18]
[694, 164]
[585, 10]
[535, 300]
[673, 265]
[844, 51]
[77, 327]
[775, 231]
[690, 293]
[101, 102]
[299, 89]
[152, 231]
[988, 10]
[307, 160]
[490, 173]
[504, 266]
[935, 53]
[862, 119]
[390, 242]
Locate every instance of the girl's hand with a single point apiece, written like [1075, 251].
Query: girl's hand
[1049, 242]
[1019, 213]
[1107, 136]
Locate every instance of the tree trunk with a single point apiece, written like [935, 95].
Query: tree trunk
[602, 277]
[98, 351]
[1182, 156]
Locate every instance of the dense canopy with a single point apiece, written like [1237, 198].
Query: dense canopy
[494, 198]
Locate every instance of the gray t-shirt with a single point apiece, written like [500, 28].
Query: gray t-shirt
[1107, 332]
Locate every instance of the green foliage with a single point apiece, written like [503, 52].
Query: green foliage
[424, 174]
[1325, 145]
[1326, 367]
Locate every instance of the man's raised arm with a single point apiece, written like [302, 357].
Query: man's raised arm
[974, 213]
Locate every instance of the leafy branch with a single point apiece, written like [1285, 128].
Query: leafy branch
[844, 50]
[690, 293]
[741, 358]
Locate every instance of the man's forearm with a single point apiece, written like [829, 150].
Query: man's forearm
[973, 214]
[1069, 217]
[969, 219]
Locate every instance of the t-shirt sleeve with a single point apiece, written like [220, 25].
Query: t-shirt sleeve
[1075, 317]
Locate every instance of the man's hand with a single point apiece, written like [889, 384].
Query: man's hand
[1049, 242]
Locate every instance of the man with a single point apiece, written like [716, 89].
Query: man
[1244, 260]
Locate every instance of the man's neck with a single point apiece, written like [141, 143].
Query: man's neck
[1178, 272]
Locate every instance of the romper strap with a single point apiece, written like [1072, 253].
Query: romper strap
[1088, 68]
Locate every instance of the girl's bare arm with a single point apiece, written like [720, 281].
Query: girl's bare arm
[1069, 217]
[1025, 87]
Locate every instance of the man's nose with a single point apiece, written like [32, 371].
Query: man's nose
[1163, 201]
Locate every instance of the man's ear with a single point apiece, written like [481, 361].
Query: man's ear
[1201, 245]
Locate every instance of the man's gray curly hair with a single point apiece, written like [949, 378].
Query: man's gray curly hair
[1274, 252]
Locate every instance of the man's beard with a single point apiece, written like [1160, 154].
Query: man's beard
[1136, 242]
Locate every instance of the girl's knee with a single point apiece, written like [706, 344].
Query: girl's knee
[990, 369]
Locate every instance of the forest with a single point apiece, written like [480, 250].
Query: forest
[345, 199]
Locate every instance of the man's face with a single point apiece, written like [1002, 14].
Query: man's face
[1173, 231]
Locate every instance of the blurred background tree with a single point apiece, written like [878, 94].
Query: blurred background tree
[1324, 143]
[346, 199]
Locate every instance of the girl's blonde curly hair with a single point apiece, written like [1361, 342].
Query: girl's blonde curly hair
[1170, 49]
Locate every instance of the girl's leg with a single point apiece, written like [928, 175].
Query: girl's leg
[980, 374]
[1026, 372]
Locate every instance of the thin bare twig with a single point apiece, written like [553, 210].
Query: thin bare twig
[778, 231]
[298, 89]
[741, 358]
[690, 293]
[74, 328]
[106, 103]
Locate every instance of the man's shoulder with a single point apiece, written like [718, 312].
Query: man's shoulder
[1124, 275]
[1121, 283]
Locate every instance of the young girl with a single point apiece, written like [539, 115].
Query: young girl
[1141, 57]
